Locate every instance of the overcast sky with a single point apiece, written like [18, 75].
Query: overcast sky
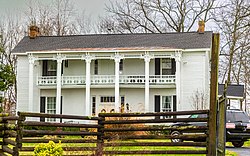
[91, 7]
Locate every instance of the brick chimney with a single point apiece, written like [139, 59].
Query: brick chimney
[33, 31]
[201, 28]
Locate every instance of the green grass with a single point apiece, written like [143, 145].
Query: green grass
[132, 148]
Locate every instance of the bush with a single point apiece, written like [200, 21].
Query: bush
[48, 149]
[116, 135]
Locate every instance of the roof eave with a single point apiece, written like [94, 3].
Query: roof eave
[113, 51]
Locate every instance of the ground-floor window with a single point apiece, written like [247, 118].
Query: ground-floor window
[51, 107]
[166, 105]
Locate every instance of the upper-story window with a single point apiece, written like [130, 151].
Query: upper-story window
[49, 68]
[166, 66]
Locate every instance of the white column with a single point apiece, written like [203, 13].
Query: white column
[117, 87]
[88, 83]
[178, 79]
[147, 60]
[31, 82]
[58, 83]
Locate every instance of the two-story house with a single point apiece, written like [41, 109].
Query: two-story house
[88, 74]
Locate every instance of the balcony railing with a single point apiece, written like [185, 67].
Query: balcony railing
[107, 79]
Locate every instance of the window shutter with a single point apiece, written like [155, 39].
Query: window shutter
[173, 64]
[45, 68]
[157, 105]
[157, 66]
[62, 67]
[61, 108]
[174, 104]
[42, 107]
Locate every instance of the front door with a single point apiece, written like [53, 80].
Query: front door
[107, 104]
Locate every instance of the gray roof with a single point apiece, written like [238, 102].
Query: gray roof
[188, 40]
[232, 90]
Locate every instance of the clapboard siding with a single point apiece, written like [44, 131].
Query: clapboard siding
[22, 83]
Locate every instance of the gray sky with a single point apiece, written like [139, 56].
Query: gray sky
[91, 7]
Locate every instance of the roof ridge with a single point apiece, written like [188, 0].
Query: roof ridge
[128, 34]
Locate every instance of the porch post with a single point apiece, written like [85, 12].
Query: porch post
[31, 82]
[178, 55]
[59, 60]
[147, 58]
[117, 59]
[88, 83]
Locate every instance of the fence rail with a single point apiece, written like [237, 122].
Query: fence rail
[107, 134]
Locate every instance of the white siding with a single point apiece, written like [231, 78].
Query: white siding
[192, 77]
[105, 67]
[133, 67]
[22, 83]
[75, 67]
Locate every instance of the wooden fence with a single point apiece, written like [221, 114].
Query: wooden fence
[107, 134]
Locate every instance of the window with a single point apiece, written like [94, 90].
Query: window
[107, 99]
[51, 107]
[96, 67]
[49, 68]
[166, 66]
[166, 104]
[52, 66]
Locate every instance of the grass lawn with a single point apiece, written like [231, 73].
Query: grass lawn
[131, 148]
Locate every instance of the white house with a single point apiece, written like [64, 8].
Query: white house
[87, 74]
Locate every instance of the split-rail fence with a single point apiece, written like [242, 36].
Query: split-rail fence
[107, 134]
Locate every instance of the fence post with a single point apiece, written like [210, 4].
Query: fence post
[19, 133]
[212, 143]
[2, 132]
[222, 123]
[100, 135]
[5, 124]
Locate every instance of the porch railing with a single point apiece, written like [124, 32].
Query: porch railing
[107, 79]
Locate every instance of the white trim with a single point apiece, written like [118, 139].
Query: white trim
[196, 50]
[114, 51]
[102, 51]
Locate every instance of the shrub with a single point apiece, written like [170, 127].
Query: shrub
[116, 135]
[48, 149]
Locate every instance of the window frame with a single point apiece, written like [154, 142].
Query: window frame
[168, 67]
[52, 66]
[51, 109]
[170, 102]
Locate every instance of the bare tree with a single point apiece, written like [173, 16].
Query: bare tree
[233, 21]
[11, 32]
[56, 18]
[199, 100]
[84, 24]
[157, 16]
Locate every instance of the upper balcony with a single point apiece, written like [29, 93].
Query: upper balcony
[107, 80]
